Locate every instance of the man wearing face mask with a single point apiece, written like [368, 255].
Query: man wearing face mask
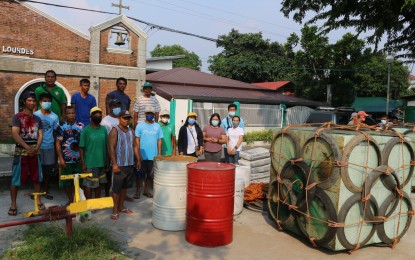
[94, 157]
[111, 119]
[146, 100]
[83, 102]
[50, 122]
[168, 146]
[148, 139]
[227, 123]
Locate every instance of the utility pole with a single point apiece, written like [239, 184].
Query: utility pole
[120, 6]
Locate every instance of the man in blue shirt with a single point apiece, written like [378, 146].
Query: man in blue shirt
[227, 123]
[83, 102]
[119, 95]
[50, 122]
[148, 140]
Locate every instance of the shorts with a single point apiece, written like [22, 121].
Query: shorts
[71, 168]
[146, 170]
[98, 177]
[25, 166]
[124, 179]
[47, 156]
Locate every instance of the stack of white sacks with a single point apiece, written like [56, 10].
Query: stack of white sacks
[259, 162]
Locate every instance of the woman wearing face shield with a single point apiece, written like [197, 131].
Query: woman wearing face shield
[190, 141]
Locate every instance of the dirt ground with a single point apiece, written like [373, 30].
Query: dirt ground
[254, 236]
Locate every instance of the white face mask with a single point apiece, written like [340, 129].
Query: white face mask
[383, 121]
[165, 120]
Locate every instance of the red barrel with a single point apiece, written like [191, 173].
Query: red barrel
[210, 200]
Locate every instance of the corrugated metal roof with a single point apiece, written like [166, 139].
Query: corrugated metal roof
[272, 85]
[183, 83]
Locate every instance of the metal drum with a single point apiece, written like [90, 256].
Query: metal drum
[169, 202]
[210, 202]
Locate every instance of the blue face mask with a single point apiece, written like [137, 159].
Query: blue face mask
[231, 114]
[150, 118]
[235, 124]
[215, 122]
[116, 111]
[46, 105]
[191, 121]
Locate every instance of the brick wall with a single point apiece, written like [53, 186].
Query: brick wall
[23, 28]
[118, 59]
[108, 85]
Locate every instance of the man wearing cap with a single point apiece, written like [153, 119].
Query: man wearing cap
[168, 146]
[148, 139]
[119, 94]
[361, 116]
[58, 95]
[353, 119]
[122, 153]
[146, 100]
[28, 135]
[93, 148]
[83, 102]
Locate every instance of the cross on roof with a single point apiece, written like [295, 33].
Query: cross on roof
[120, 6]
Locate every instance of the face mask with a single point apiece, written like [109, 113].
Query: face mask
[191, 121]
[231, 114]
[215, 122]
[362, 119]
[46, 105]
[150, 118]
[96, 120]
[235, 124]
[116, 111]
[383, 121]
[164, 120]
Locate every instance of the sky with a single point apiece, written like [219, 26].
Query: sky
[207, 18]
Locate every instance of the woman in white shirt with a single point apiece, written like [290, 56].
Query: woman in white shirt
[234, 141]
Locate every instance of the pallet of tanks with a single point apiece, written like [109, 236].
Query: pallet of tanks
[342, 187]
[259, 162]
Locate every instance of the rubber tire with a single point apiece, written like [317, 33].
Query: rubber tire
[272, 205]
[334, 176]
[381, 227]
[331, 212]
[293, 138]
[385, 156]
[345, 158]
[348, 204]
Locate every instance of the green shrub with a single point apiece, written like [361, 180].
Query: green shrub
[265, 135]
[49, 241]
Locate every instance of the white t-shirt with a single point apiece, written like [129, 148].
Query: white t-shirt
[234, 134]
[191, 140]
[109, 122]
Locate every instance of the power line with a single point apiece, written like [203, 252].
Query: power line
[152, 25]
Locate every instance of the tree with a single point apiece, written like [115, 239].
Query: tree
[191, 59]
[247, 57]
[395, 19]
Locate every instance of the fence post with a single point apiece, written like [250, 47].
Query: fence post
[283, 107]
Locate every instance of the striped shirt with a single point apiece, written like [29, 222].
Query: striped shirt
[124, 151]
[142, 102]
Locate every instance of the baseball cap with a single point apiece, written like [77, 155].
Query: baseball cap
[192, 114]
[27, 95]
[362, 113]
[124, 113]
[354, 114]
[149, 109]
[114, 102]
[164, 112]
[147, 85]
[95, 109]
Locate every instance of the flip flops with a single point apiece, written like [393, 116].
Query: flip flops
[48, 196]
[41, 206]
[114, 217]
[12, 211]
[136, 196]
[126, 211]
[148, 195]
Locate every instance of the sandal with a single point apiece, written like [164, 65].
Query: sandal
[148, 195]
[12, 211]
[126, 211]
[114, 216]
[136, 196]
[48, 196]
[41, 206]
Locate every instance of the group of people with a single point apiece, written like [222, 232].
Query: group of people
[115, 149]
[385, 121]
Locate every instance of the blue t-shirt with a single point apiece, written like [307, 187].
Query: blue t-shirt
[122, 97]
[149, 135]
[49, 122]
[83, 106]
[70, 136]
